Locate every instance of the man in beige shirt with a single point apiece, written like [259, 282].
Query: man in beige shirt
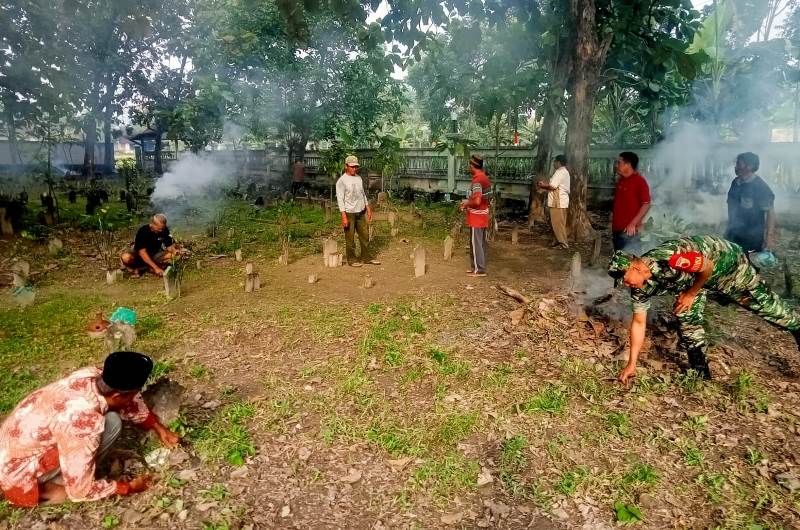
[356, 213]
[558, 199]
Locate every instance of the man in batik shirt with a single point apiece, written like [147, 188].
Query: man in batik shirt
[690, 267]
[51, 441]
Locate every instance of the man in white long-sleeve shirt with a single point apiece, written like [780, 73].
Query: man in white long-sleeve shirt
[356, 213]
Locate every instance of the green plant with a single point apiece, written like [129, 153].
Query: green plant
[627, 514]
[618, 423]
[696, 423]
[447, 366]
[498, 376]
[693, 456]
[690, 381]
[568, 482]
[217, 492]
[640, 474]
[160, 369]
[713, 483]
[553, 400]
[198, 371]
[754, 456]
[109, 521]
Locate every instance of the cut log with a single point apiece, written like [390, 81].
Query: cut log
[516, 295]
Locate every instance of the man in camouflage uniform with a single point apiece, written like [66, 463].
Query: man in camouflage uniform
[690, 267]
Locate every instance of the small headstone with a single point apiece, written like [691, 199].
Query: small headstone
[368, 282]
[55, 246]
[170, 286]
[230, 233]
[24, 295]
[49, 218]
[330, 253]
[248, 268]
[371, 231]
[248, 283]
[383, 198]
[198, 264]
[392, 218]
[72, 197]
[448, 248]
[112, 276]
[596, 247]
[312, 278]
[22, 267]
[283, 259]
[238, 254]
[515, 235]
[420, 265]
[6, 228]
[575, 271]
[395, 231]
[256, 281]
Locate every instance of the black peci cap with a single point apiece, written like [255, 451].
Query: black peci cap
[127, 370]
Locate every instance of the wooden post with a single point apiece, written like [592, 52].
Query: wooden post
[420, 265]
[448, 248]
[238, 254]
[515, 235]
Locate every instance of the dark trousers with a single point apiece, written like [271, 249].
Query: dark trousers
[357, 223]
[477, 249]
[623, 241]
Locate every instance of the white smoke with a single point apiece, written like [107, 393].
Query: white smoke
[191, 177]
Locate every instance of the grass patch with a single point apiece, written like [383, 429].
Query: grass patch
[455, 428]
[394, 439]
[447, 366]
[640, 475]
[627, 514]
[748, 395]
[498, 376]
[226, 436]
[447, 476]
[692, 456]
[713, 484]
[753, 456]
[570, 480]
[690, 381]
[552, 400]
[618, 423]
[512, 463]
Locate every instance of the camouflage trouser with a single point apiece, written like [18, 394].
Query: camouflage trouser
[745, 287]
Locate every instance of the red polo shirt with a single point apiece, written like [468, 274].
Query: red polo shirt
[629, 195]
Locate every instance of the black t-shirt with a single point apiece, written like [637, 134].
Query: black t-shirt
[748, 203]
[150, 241]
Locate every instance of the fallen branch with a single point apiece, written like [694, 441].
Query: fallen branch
[516, 295]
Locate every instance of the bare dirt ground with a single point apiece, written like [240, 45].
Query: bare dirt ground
[417, 403]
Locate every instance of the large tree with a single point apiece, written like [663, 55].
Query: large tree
[592, 32]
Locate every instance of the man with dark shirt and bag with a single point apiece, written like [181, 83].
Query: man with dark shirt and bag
[152, 249]
[751, 213]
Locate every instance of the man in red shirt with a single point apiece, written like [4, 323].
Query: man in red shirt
[477, 208]
[631, 203]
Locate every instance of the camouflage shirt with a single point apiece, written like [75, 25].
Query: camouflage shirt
[675, 263]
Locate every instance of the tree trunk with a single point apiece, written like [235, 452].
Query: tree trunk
[158, 168]
[108, 158]
[11, 126]
[548, 134]
[589, 56]
[89, 142]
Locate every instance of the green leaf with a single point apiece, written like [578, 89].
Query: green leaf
[628, 513]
